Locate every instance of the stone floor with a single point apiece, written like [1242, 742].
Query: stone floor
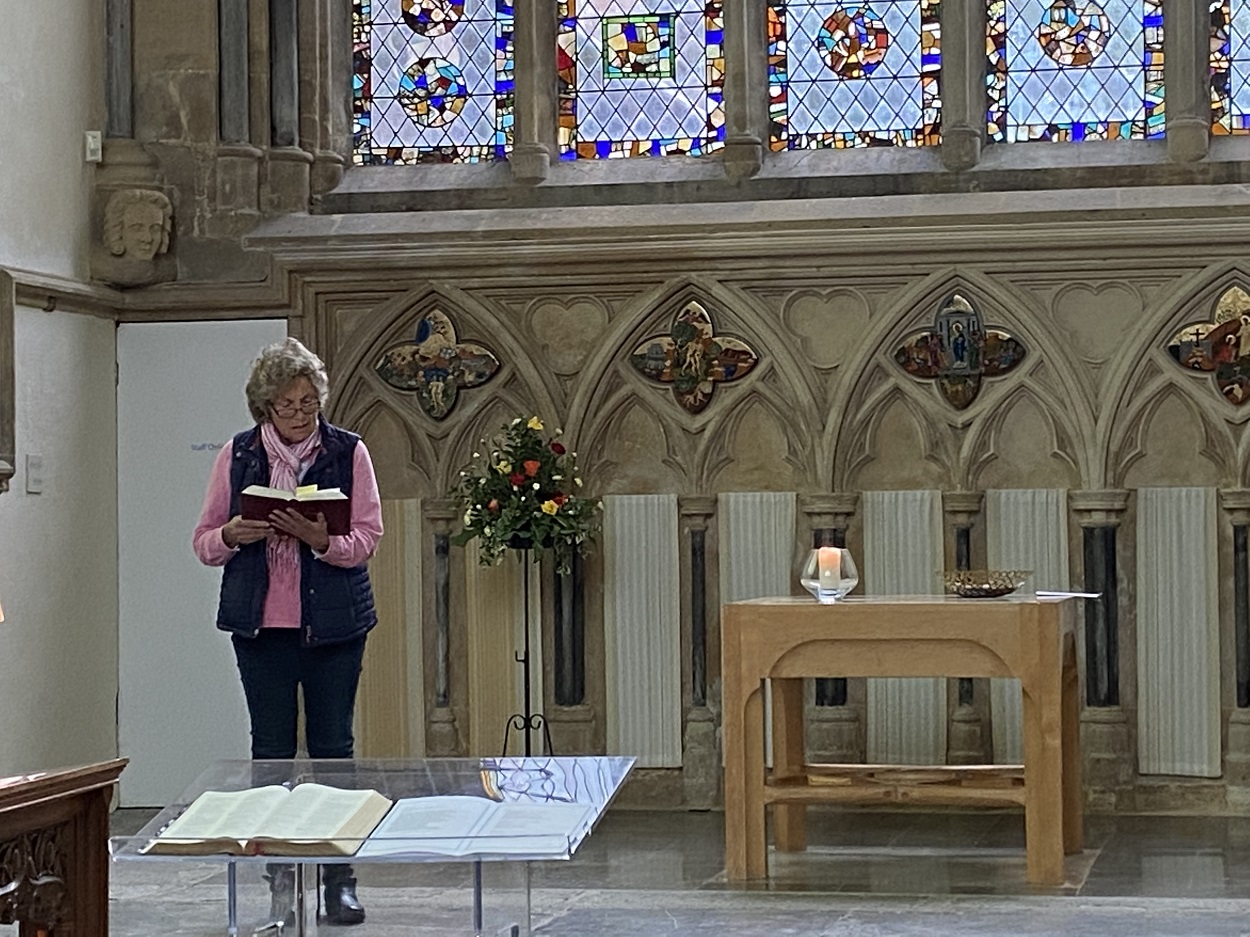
[864, 875]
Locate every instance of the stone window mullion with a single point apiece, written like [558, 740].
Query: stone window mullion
[1186, 65]
[746, 85]
[964, 98]
[536, 101]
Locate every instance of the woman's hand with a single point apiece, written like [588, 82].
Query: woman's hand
[298, 526]
[237, 532]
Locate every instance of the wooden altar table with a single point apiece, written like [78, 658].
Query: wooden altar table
[54, 856]
[786, 639]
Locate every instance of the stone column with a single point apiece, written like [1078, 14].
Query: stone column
[834, 729]
[1187, 51]
[1105, 739]
[441, 736]
[968, 741]
[746, 86]
[1236, 503]
[284, 72]
[119, 69]
[534, 141]
[963, 84]
[701, 758]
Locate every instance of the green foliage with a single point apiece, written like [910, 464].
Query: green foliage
[519, 489]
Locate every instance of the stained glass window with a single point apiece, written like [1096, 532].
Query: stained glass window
[854, 74]
[1230, 66]
[432, 81]
[640, 78]
[1072, 70]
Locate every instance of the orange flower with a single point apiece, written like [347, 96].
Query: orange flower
[531, 467]
[493, 506]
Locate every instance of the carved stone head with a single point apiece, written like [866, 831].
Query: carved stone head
[137, 224]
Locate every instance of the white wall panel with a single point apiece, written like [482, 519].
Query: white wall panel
[903, 556]
[642, 628]
[1178, 654]
[1025, 528]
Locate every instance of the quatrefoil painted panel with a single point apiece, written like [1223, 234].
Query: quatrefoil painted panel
[959, 352]
[693, 358]
[1220, 348]
[436, 365]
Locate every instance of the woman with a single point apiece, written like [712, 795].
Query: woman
[296, 600]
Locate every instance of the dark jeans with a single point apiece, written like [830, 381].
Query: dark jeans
[274, 666]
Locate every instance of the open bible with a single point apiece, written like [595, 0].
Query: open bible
[257, 502]
[305, 820]
[462, 825]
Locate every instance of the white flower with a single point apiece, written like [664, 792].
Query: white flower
[578, 482]
[486, 530]
[535, 486]
[468, 518]
[477, 455]
[556, 478]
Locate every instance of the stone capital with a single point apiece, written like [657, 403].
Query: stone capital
[1099, 508]
[962, 507]
[696, 509]
[829, 509]
[441, 513]
[1236, 502]
[961, 148]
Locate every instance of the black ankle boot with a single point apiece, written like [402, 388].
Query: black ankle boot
[342, 905]
[281, 896]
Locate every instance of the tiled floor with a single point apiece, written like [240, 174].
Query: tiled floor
[863, 875]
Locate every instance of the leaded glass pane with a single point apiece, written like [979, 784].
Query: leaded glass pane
[1230, 66]
[640, 78]
[854, 74]
[1072, 70]
[432, 81]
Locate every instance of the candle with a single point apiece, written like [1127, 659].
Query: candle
[829, 564]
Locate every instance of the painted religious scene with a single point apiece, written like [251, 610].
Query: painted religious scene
[1221, 348]
[958, 352]
[693, 358]
[436, 365]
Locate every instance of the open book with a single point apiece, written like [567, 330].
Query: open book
[305, 820]
[258, 502]
[460, 825]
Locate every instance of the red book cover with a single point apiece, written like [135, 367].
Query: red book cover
[258, 503]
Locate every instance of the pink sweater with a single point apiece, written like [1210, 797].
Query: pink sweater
[282, 602]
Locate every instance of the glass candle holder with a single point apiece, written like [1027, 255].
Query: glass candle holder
[829, 574]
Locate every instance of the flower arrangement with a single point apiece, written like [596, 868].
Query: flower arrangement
[518, 492]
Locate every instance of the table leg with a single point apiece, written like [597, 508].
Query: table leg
[746, 854]
[301, 908]
[789, 761]
[1073, 791]
[1043, 778]
[232, 899]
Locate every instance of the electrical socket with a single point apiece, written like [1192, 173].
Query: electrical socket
[93, 146]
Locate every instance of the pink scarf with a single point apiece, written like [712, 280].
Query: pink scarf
[287, 465]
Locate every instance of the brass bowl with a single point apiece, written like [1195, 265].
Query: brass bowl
[984, 583]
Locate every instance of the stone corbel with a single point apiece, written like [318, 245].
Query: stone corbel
[963, 76]
[1186, 50]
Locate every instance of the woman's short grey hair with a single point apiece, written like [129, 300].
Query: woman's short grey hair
[275, 368]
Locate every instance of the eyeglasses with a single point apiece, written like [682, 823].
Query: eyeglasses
[307, 405]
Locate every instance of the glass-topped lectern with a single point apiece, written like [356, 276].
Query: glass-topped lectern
[499, 812]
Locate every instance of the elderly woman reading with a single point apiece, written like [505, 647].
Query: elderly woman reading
[296, 601]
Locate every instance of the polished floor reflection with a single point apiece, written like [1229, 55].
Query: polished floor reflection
[645, 872]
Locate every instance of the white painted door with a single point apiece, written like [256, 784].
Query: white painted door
[179, 399]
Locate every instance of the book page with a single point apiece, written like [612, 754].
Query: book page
[320, 494]
[529, 828]
[465, 825]
[261, 491]
[226, 814]
[436, 825]
[318, 812]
